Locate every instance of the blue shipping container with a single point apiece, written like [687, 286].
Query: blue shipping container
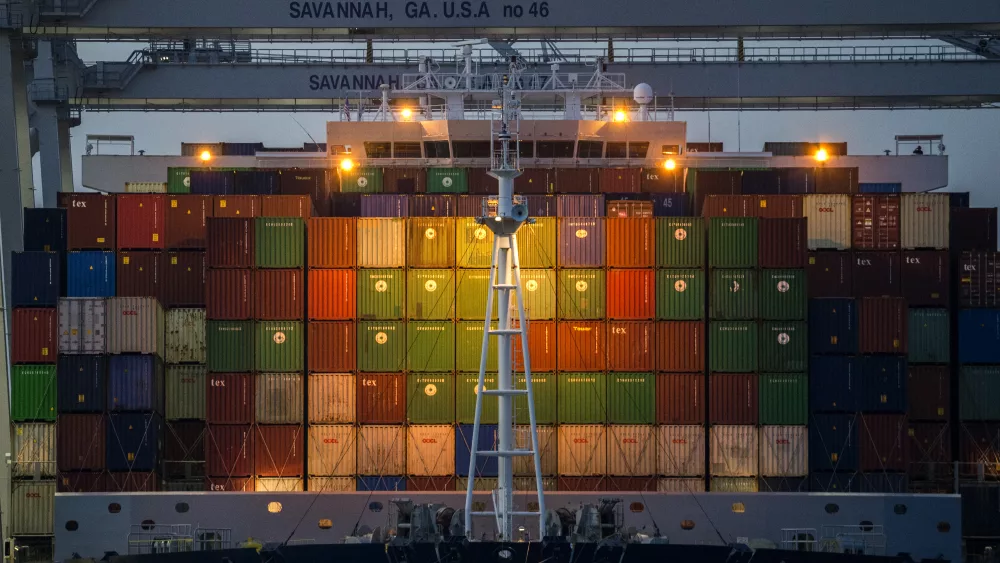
[834, 384]
[762, 182]
[580, 206]
[883, 384]
[213, 182]
[670, 205]
[959, 199]
[833, 326]
[830, 482]
[241, 149]
[385, 205]
[432, 206]
[486, 466]
[979, 336]
[45, 229]
[797, 180]
[81, 383]
[783, 484]
[90, 274]
[36, 280]
[256, 182]
[135, 383]
[883, 482]
[880, 188]
[381, 483]
[134, 441]
[833, 442]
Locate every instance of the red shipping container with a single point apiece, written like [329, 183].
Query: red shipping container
[35, 336]
[631, 294]
[883, 325]
[286, 206]
[133, 482]
[876, 274]
[81, 441]
[581, 346]
[90, 221]
[231, 484]
[628, 208]
[573, 181]
[229, 451]
[730, 206]
[973, 229]
[280, 451]
[581, 484]
[715, 182]
[332, 242]
[332, 294]
[630, 346]
[231, 243]
[138, 274]
[430, 483]
[243, 206]
[929, 389]
[141, 221]
[630, 242]
[279, 295]
[229, 295]
[830, 274]
[875, 220]
[925, 278]
[82, 482]
[630, 484]
[184, 449]
[930, 451]
[535, 181]
[680, 346]
[779, 206]
[183, 282]
[620, 180]
[732, 398]
[680, 398]
[229, 399]
[381, 398]
[186, 218]
[884, 444]
[541, 346]
[332, 347]
[781, 243]
[978, 275]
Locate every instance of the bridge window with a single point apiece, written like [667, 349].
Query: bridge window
[406, 150]
[437, 149]
[617, 150]
[555, 149]
[526, 149]
[340, 149]
[472, 149]
[375, 149]
[670, 150]
[638, 150]
[589, 149]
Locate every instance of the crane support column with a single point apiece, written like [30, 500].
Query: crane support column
[53, 132]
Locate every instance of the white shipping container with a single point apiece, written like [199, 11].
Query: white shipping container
[145, 187]
[430, 450]
[381, 242]
[333, 451]
[733, 451]
[631, 450]
[829, 221]
[279, 398]
[925, 220]
[279, 484]
[381, 450]
[33, 508]
[332, 484]
[547, 442]
[185, 387]
[583, 449]
[784, 451]
[681, 450]
[332, 398]
[734, 485]
[682, 485]
[34, 449]
[135, 325]
[82, 325]
[185, 336]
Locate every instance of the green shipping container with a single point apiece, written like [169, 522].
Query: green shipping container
[680, 295]
[734, 294]
[784, 347]
[581, 294]
[543, 386]
[430, 346]
[631, 398]
[361, 180]
[465, 398]
[280, 242]
[732, 347]
[430, 242]
[583, 398]
[469, 343]
[473, 288]
[539, 291]
[447, 181]
[680, 242]
[381, 346]
[536, 243]
[783, 295]
[783, 399]
[279, 346]
[978, 389]
[732, 242]
[930, 336]
[475, 244]
[431, 398]
[229, 345]
[430, 294]
[381, 293]
[178, 180]
[33, 392]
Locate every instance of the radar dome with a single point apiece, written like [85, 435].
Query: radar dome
[643, 93]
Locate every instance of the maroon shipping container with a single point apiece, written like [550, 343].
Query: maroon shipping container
[978, 276]
[715, 182]
[405, 180]
[332, 242]
[231, 484]
[138, 274]
[332, 347]
[580, 206]
[930, 451]
[732, 398]
[680, 398]
[630, 346]
[279, 295]
[141, 221]
[280, 451]
[929, 390]
[830, 274]
[239, 206]
[34, 336]
[779, 206]
[229, 295]
[680, 346]
[661, 180]
[229, 399]
[183, 283]
[883, 442]
[286, 206]
[577, 180]
[541, 345]
[782, 243]
[133, 482]
[186, 219]
[925, 278]
[875, 220]
[581, 484]
[81, 441]
[582, 346]
[628, 208]
[876, 274]
[883, 325]
[90, 221]
[979, 442]
[82, 482]
[381, 398]
[836, 180]
[630, 483]
[620, 180]
[430, 483]
[972, 229]
[184, 450]
[229, 450]
[535, 181]
[730, 206]
[631, 294]
[630, 242]
[231, 243]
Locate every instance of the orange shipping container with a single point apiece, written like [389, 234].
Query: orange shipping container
[332, 294]
[680, 346]
[541, 346]
[244, 206]
[630, 346]
[582, 346]
[631, 294]
[278, 295]
[286, 206]
[332, 347]
[280, 451]
[381, 398]
[630, 242]
[332, 242]
[35, 335]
